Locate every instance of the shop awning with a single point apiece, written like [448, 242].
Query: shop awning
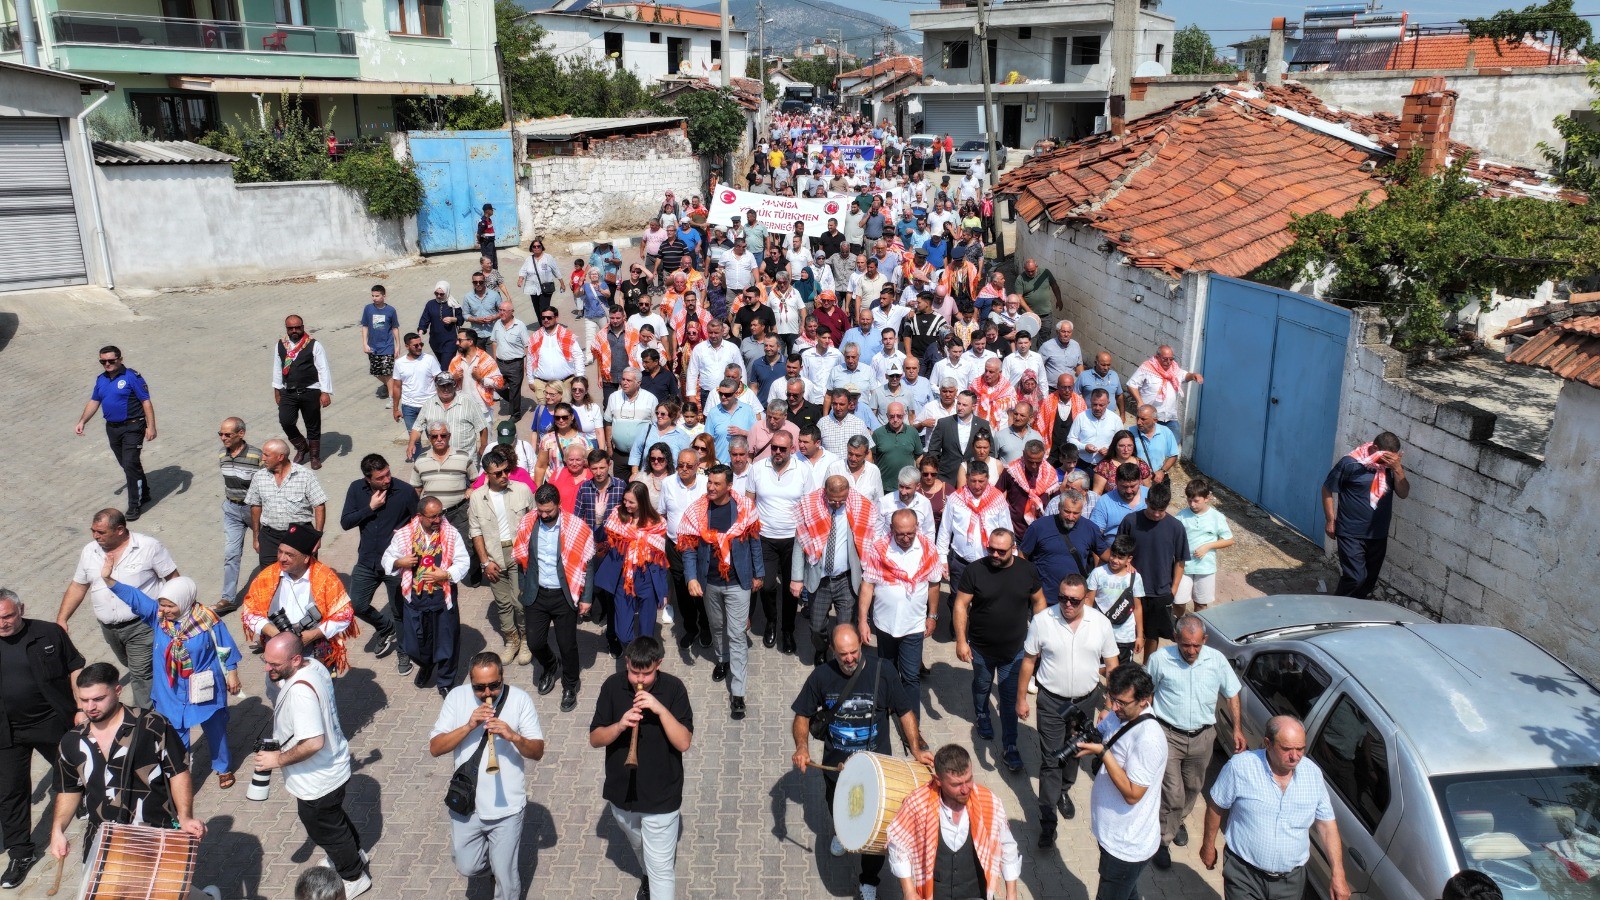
[313, 86]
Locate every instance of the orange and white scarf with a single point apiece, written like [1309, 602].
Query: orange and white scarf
[480, 369]
[601, 349]
[916, 828]
[1172, 377]
[1050, 410]
[680, 321]
[977, 532]
[814, 517]
[564, 337]
[434, 552]
[639, 545]
[878, 568]
[577, 547]
[1369, 455]
[994, 400]
[696, 530]
[1036, 490]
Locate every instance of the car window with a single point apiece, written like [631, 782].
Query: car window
[1355, 761]
[1288, 683]
[1532, 832]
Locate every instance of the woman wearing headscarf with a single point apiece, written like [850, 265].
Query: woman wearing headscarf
[440, 319]
[194, 657]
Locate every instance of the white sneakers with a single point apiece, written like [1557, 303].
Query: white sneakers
[869, 891]
[836, 848]
[354, 889]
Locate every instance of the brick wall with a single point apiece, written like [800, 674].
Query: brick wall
[615, 185]
[1489, 535]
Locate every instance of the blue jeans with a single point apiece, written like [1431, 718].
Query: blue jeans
[984, 672]
[235, 525]
[408, 415]
[1119, 879]
[906, 655]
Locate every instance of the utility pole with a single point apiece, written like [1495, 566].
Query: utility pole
[991, 170]
[837, 36]
[761, 69]
[726, 65]
[500, 73]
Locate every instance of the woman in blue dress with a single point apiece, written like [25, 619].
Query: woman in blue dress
[194, 657]
[634, 569]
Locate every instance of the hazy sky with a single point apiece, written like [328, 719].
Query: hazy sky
[1231, 20]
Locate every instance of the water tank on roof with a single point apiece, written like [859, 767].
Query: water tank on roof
[1335, 10]
[1370, 33]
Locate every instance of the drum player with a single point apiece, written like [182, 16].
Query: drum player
[856, 722]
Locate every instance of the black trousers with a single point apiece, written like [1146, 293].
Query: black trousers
[365, 579]
[511, 370]
[544, 301]
[300, 403]
[549, 609]
[329, 827]
[691, 609]
[487, 248]
[871, 863]
[777, 604]
[1360, 561]
[127, 444]
[16, 782]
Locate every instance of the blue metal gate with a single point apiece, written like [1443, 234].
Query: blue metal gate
[461, 171]
[1274, 360]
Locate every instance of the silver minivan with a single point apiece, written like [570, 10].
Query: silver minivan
[1444, 746]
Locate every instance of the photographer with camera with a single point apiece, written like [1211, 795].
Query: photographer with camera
[314, 757]
[1067, 644]
[1128, 763]
[303, 596]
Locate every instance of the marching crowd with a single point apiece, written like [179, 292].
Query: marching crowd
[847, 443]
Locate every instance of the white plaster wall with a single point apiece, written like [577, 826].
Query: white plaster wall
[593, 194]
[1503, 116]
[177, 226]
[1488, 536]
[1098, 292]
[567, 35]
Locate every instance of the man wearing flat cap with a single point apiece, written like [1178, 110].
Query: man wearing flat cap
[299, 593]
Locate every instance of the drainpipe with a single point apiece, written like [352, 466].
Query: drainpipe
[94, 189]
[27, 32]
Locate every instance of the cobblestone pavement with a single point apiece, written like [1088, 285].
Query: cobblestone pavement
[753, 826]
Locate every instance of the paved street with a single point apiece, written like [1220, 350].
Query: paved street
[753, 826]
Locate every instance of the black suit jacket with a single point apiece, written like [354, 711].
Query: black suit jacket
[944, 445]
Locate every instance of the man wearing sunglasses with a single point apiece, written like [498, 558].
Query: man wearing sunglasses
[1067, 645]
[996, 597]
[486, 708]
[130, 421]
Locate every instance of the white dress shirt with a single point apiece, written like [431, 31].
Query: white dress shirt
[1070, 655]
[898, 609]
[144, 564]
[953, 829]
[707, 363]
[867, 482]
[890, 504]
[319, 358]
[1017, 363]
[954, 526]
[816, 367]
[1087, 431]
[676, 500]
[820, 469]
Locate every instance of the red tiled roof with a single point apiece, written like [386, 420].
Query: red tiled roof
[746, 91]
[1212, 182]
[1450, 51]
[892, 64]
[1570, 349]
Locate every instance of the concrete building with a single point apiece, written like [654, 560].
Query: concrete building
[605, 175]
[50, 228]
[649, 40]
[1054, 65]
[873, 90]
[189, 66]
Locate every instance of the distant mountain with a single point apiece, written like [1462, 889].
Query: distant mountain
[801, 23]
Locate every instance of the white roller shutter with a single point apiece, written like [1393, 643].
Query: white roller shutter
[955, 117]
[40, 245]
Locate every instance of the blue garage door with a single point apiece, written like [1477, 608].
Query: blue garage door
[1274, 361]
[461, 171]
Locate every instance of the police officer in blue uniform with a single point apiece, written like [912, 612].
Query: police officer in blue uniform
[130, 421]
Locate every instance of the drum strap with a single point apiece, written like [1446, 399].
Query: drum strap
[824, 720]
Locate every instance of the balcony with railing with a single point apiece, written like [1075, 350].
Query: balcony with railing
[96, 41]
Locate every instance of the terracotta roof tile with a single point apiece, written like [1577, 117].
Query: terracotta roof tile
[899, 64]
[1570, 349]
[1450, 51]
[1213, 182]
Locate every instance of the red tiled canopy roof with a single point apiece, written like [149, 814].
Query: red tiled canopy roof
[1570, 349]
[1450, 51]
[1213, 182]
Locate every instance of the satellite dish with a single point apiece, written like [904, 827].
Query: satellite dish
[1150, 69]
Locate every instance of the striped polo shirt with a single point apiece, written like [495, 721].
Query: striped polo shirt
[237, 472]
[448, 480]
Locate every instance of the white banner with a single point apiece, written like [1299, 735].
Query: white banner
[776, 214]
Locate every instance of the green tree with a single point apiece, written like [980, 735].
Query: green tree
[519, 42]
[118, 122]
[716, 120]
[1436, 243]
[1577, 163]
[1194, 54]
[817, 70]
[541, 84]
[1553, 17]
[472, 112]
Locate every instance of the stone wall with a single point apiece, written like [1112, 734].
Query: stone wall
[187, 225]
[615, 184]
[1489, 535]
